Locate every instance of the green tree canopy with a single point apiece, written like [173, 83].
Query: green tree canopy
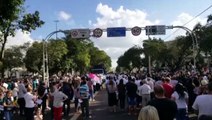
[12, 18]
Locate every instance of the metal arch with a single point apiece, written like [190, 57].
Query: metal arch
[194, 40]
[45, 56]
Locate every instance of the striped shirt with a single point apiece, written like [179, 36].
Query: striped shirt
[84, 91]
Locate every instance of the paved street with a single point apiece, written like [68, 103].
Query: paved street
[99, 110]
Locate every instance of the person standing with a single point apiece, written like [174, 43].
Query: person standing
[168, 87]
[121, 94]
[112, 89]
[180, 96]
[67, 90]
[166, 108]
[1, 105]
[203, 103]
[84, 98]
[21, 92]
[42, 95]
[29, 106]
[91, 89]
[8, 106]
[131, 88]
[58, 99]
[144, 92]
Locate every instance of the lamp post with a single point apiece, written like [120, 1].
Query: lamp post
[56, 21]
[194, 42]
[45, 55]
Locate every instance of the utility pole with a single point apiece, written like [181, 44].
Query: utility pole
[56, 21]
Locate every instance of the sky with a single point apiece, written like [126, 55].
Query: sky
[75, 14]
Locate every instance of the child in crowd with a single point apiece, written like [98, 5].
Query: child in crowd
[8, 103]
[38, 115]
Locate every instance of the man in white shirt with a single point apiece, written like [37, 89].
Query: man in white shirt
[203, 103]
[144, 91]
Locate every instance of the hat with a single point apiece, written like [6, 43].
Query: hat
[204, 82]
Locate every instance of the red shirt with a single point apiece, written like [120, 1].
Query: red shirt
[168, 89]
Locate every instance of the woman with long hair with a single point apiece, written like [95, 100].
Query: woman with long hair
[180, 96]
[112, 97]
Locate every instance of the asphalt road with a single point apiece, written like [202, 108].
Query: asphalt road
[99, 110]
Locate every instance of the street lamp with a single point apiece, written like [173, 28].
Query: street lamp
[45, 55]
[194, 42]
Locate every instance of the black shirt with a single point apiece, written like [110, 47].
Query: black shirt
[166, 108]
[131, 89]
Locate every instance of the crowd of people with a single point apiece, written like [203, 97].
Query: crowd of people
[160, 96]
[170, 95]
[31, 97]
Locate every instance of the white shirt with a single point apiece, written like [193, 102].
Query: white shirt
[15, 92]
[144, 89]
[151, 84]
[203, 104]
[59, 97]
[137, 82]
[22, 90]
[181, 103]
[29, 102]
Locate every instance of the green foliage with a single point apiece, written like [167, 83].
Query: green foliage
[99, 57]
[12, 18]
[13, 57]
[84, 55]
[57, 49]
[131, 59]
[34, 58]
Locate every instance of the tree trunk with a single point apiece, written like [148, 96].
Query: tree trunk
[2, 54]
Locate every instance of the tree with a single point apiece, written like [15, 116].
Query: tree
[34, 58]
[12, 18]
[131, 59]
[57, 49]
[99, 57]
[154, 48]
[13, 57]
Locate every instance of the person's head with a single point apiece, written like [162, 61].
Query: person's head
[148, 113]
[9, 93]
[167, 79]
[121, 81]
[83, 80]
[144, 81]
[29, 88]
[180, 89]
[159, 91]
[38, 112]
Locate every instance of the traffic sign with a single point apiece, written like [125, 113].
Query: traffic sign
[97, 32]
[156, 30]
[80, 33]
[136, 31]
[116, 32]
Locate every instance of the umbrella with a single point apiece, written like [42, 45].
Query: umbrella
[94, 77]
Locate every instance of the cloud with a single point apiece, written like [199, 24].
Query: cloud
[19, 39]
[121, 17]
[64, 16]
[181, 20]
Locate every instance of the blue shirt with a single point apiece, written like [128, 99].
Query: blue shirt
[84, 91]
